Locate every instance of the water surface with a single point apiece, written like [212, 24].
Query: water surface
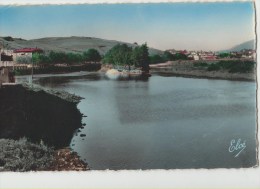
[162, 123]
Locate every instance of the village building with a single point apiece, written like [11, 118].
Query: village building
[195, 57]
[25, 53]
[204, 55]
[6, 60]
[185, 52]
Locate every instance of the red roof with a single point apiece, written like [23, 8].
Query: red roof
[26, 50]
[183, 52]
[210, 57]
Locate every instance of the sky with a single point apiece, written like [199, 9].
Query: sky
[191, 26]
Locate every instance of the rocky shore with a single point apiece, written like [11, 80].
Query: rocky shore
[41, 116]
[66, 160]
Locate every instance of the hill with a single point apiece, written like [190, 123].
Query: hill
[246, 45]
[67, 44]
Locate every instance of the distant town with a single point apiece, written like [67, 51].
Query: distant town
[210, 55]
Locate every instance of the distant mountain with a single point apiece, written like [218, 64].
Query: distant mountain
[67, 44]
[246, 45]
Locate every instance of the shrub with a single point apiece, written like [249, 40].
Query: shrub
[233, 66]
[22, 155]
[214, 67]
[200, 64]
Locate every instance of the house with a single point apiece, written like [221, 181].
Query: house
[6, 60]
[195, 57]
[185, 52]
[25, 54]
[204, 55]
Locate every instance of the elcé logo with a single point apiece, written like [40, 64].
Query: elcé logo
[237, 146]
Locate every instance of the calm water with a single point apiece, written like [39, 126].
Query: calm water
[162, 123]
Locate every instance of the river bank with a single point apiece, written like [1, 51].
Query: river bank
[41, 116]
[199, 69]
[54, 69]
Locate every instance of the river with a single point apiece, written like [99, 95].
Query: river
[162, 123]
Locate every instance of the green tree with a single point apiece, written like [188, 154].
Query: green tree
[154, 59]
[120, 54]
[140, 57]
[36, 58]
[92, 55]
[73, 58]
[180, 56]
[167, 56]
[58, 57]
[223, 55]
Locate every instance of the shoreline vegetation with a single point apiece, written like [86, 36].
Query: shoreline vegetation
[239, 70]
[34, 135]
[180, 68]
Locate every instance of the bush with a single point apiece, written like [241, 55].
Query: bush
[200, 64]
[242, 67]
[214, 67]
[21, 155]
[233, 66]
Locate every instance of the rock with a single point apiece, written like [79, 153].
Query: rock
[70, 162]
[82, 135]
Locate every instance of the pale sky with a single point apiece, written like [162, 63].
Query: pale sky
[192, 26]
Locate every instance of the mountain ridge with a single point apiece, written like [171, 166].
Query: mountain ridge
[250, 44]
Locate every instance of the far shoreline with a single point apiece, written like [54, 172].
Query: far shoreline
[179, 68]
[187, 69]
[194, 76]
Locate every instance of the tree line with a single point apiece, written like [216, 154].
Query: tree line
[92, 55]
[167, 56]
[120, 54]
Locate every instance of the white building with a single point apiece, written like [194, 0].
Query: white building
[25, 53]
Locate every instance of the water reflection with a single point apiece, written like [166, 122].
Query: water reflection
[134, 104]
